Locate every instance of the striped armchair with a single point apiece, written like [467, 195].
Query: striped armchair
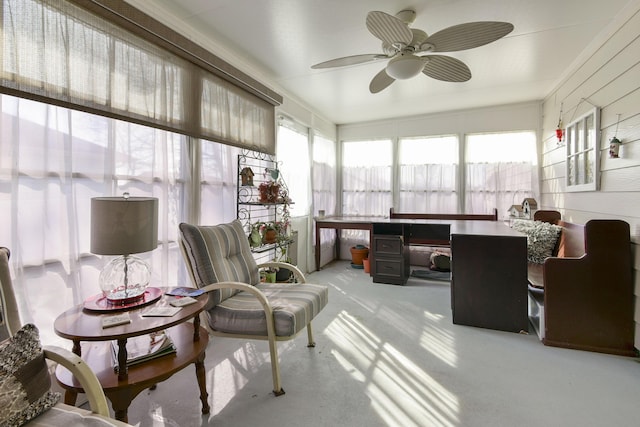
[219, 260]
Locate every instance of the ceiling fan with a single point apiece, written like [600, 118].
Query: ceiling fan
[400, 45]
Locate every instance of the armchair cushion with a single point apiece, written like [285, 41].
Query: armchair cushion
[294, 306]
[24, 378]
[219, 253]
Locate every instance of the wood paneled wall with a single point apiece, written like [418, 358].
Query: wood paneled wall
[607, 77]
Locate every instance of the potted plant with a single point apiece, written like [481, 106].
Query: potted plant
[358, 253]
[269, 192]
[269, 233]
[268, 275]
[283, 274]
[255, 237]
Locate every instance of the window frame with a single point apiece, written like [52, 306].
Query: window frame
[580, 132]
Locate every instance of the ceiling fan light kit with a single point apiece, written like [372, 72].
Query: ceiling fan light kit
[404, 67]
[400, 44]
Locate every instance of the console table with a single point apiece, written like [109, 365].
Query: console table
[489, 263]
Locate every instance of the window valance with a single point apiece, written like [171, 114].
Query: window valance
[108, 58]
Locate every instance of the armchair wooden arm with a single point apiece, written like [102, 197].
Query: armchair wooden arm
[84, 374]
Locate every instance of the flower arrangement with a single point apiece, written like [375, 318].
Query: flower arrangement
[269, 192]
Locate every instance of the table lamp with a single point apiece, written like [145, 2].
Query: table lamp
[124, 226]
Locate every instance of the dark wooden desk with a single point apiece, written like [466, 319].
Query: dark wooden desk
[489, 264]
[340, 223]
[489, 276]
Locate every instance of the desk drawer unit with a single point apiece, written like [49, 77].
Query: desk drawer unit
[388, 245]
[391, 260]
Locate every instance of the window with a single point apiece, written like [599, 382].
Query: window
[217, 183]
[366, 177]
[54, 160]
[500, 171]
[583, 141]
[324, 175]
[428, 174]
[294, 164]
[324, 190]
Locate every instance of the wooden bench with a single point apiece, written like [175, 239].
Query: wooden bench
[582, 296]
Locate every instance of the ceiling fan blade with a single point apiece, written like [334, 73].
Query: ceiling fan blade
[446, 68]
[381, 81]
[349, 60]
[468, 35]
[388, 28]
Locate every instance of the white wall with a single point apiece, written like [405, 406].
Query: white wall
[514, 117]
[609, 78]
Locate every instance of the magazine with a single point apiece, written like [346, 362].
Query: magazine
[161, 311]
[144, 347]
[183, 291]
[115, 320]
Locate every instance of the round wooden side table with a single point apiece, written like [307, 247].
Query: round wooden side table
[121, 386]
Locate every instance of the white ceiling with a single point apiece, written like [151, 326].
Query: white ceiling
[277, 41]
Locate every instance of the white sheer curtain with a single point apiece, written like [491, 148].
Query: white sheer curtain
[366, 185]
[500, 170]
[54, 160]
[324, 175]
[324, 185]
[294, 164]
[218, 178]
[428, 174]
[366, 177]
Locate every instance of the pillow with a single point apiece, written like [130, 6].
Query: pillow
[541, 238]
[24, 378]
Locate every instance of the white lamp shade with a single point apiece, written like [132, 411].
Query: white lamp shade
[123, 226]
[405, 66]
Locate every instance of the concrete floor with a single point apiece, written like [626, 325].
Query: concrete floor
[390, 356]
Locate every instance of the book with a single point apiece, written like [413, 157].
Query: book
[181, 302]
[115, 320]
[161, 311]
[183, 291]
[144, 347]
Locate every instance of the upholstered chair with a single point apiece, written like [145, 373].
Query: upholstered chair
[220, 261]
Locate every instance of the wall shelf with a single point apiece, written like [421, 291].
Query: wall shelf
[254, 169]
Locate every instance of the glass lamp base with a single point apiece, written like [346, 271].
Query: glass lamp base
[123, 298]
[124, 280]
